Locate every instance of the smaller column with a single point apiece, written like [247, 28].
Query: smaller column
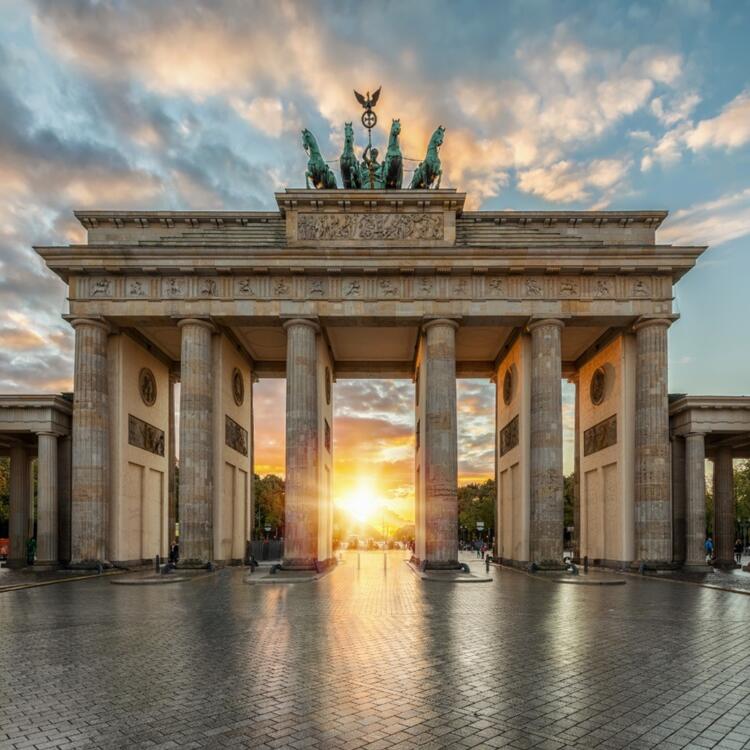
[547, 517]
[679, 502]
[695, 496]
[46, 550]
[64, 448]
[19, 506]
[171, 463]
[724, 533]
[577, 470]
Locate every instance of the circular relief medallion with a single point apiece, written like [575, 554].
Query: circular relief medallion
[508, 386]
[238, 387]
[147, 386]
[328, 386]
[598, 384]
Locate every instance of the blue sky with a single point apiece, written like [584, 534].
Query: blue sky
[546, 105]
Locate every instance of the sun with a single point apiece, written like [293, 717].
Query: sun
[362, 503]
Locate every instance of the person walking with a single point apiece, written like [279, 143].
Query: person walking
[738, 547]
[709, 546]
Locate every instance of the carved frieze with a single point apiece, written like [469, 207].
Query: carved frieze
[235, 435]
[488, 285]
[509, 436]
[370, 226]
[145, 436]
[600, 436]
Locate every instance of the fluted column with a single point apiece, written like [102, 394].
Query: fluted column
[546, 523]
[64, 457]
[724, 507]
[695, 499]
[679, 499]
[577, 471]
[196, 443]
[440, 444]
[90, 493]
[46, 542]
[19, 506]
[171, 463]
[653, 512]
[301, 486]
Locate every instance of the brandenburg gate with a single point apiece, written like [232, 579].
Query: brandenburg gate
[363, 283]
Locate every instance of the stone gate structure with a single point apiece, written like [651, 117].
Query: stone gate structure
[348, 284]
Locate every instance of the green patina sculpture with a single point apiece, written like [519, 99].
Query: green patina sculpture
[429, 169]
[370, 174]
[350, 174]
[317, 170]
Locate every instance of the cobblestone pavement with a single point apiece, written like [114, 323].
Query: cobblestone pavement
[367, 659]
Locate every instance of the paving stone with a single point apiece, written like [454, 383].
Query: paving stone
[366, 659]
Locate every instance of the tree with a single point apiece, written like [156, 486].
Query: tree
[476, 502]
[269, 503]
[568, 498]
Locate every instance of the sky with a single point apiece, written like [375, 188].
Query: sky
[546, 104]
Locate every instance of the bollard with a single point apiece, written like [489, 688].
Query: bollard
[357, 560]
[586, 564]
[157, 564]
[487, 563]
[385, 561]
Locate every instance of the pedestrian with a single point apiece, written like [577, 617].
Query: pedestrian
[738, 547]
[30, 550]
[709, 546]
[478, 547]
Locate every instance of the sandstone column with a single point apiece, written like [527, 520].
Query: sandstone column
[577, 472]
[301, 496]
[724, 533]
[19, 506]
[653, 512]
[679, 499]
[46, 543]
[171, 463]
[196, 443]
[90, 493]
[440, 444]
[546, 527]
[695, 500]
[63, 497]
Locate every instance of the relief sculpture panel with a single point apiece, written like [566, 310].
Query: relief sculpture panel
[145, 436]
[600, 436]
[365, 226]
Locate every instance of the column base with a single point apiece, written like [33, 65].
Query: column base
[549, 564]
[442, 565]
[194, 564]
[46, 564]
[696, 568]
[655, 565]
[16, 564]
[299, 563]
[725, 564]
[89, 564]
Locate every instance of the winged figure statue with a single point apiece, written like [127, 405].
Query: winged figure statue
[368, 102]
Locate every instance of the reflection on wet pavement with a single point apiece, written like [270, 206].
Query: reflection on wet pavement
[370, 659]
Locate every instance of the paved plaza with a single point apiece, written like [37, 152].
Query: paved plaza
[367, 659]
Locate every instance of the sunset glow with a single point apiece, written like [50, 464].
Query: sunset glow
[362, 503]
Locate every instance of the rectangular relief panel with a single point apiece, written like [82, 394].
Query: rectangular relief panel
[600, 436]
[509, 436]
[235, 435]
[145, 436]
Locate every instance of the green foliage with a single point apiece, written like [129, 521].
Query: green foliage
[568, 497]
[269, 502]
[476, 502]
[742, 490]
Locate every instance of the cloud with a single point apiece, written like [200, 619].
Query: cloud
[568, 181]
[711, 222]
[729, 130]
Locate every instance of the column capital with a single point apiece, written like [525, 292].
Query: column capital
[538, 323]
[646, 322]
[47, 433]
[197, 322]
[450, 322]
[694, 433]
[94, 322]
[301, 322]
